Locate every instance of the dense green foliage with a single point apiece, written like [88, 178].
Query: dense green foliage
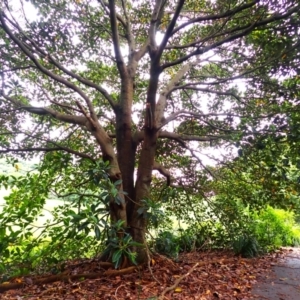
[79, 227]
[264, 231]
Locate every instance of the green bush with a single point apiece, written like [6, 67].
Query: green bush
[248, 234]
[246, 246]
[296, 236]
[166, 243]
[171, 244]
[186, 241]
[274, 228]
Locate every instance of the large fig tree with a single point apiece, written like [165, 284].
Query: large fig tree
[143, 85]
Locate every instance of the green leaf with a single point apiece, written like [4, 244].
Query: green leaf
[97, 233]
[118, 182]
[117, 258]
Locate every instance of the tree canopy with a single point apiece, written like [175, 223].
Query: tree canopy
[138, 86]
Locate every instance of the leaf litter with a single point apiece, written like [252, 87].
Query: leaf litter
[193, 276]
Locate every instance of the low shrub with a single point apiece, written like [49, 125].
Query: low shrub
[166, 243]
[274, 228]
[246, 246]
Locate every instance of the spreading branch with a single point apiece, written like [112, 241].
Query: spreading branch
[181, 138]
[245, 30]
[52, 60]
[46, 149]
[44, 70]
[170, 28]
[226, 14]
[163, 171]
[116, 42]
[162, 101]
[195, 115]
[47, 111]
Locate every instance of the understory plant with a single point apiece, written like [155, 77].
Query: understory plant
[276, 227]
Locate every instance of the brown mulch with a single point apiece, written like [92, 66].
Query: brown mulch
[196, 275]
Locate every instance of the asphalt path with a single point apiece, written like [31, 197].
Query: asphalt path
[283, 282]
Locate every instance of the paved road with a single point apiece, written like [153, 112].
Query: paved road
[283, 283]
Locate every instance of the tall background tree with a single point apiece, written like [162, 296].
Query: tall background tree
[143, 86]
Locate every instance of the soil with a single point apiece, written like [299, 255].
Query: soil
[283, 282]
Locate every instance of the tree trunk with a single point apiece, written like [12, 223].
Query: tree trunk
[138, 224]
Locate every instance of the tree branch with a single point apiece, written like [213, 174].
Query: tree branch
[246, 30]
[163, 171]
[55, 77]
[181, 138]
[216, 17]
[119, 18]
[130, 38]
[170, 28]
[199, 43]
[44, 111]
[162, 101]
[16, 69]
[66, 71]
[208, 91]
[196, 115]
[116, 42]
[44, 149]
[200, 161]
[285, 51]
[155, 19]
[208, 48]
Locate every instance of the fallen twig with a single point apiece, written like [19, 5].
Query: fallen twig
[174, 286]
[198, 264]
[149, 266]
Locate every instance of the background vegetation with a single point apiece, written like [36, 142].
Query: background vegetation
[33, 242]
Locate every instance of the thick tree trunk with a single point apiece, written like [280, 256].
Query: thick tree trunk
[138, 224]
[135, 223]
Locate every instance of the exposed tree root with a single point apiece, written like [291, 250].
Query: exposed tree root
[149, 264]
[121, 271]
[67, 277]
[49, 279]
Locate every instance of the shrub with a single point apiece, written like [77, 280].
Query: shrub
[275, 227]
[167, 243]
[246, 246]
[186, 241]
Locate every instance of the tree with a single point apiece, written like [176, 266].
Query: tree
[143, 85]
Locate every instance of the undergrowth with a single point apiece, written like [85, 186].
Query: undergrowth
[22, 253]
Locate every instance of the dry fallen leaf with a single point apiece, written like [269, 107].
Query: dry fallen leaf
[232, 279]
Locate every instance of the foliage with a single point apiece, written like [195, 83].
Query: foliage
[268, 230]
[276, 227]
[75, 228]
[167, 243]
[152, 211]
[119, 245]
[246, 246]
